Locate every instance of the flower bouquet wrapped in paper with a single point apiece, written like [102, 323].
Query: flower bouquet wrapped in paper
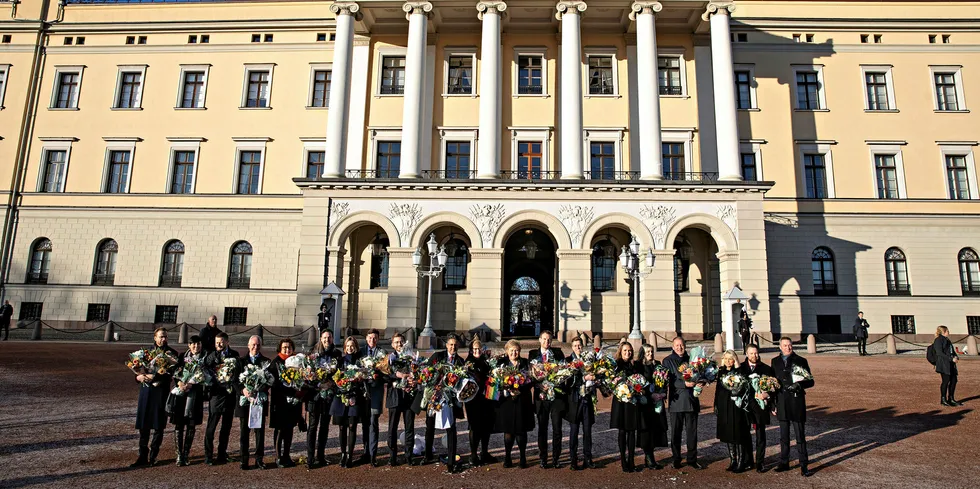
[257, 380]
[294, 374]
[700, 369]
[151, 361]
[407, 362]
[600, 366]
[225, 374]
[375, 366]
[738, 386]
[800, 374]
[192, 372]
[763, 383]
[504, 379]
[319, 375]
[658, 387]
[349, 381]
[632, 389]
[551, 378]
[444, 388]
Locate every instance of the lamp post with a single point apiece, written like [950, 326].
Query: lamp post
[629, 259]
[437, 262]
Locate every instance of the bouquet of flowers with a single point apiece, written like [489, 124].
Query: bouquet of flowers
[375, 366]
[738, 385]
[800, 374]
[550, 377]
[504, 379]
[147, 361]
[763, 383]
[661, 378]
[257, 380]
[319, 374]
[407, 362]
[348, 381]
[631, 389]
[294, 374]
[225, 374]
[442, 384]
[700, 369]
[602, 367]
[192, 372]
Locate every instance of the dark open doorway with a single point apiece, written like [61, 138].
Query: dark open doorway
[530, 267]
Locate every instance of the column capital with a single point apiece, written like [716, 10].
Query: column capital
[345, 8]
[417, 7]
[570, 7]
[716, 7]
[490, 7]
[645, 7]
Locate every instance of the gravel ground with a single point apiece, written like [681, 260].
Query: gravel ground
[67, 411]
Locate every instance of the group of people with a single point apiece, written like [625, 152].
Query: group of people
[513, 416]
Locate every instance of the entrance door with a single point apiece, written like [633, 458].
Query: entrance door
[529, 280]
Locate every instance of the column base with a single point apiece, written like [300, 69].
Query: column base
[572, 177]
[332, 175]
[731, 178]
[488, 176]
[652, 177]
[408, 175]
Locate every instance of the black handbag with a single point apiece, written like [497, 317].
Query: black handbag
[171, 403]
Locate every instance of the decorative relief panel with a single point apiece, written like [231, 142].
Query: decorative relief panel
[658, 219]
[405, 217]
[487, 218]
[576, 218]
[728, 215]
[338, 211]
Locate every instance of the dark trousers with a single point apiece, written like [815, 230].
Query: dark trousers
[283, 440]
[799, 428]
[948, 387]
[244, 431]
[214, 417]
[369, 434]
[586, 423]
[684, 422]
[316, 435]
[408, 418]
[545, 412]
[430, 435]
[863, 346]
[5, 328]
[150, 448]
[480, 432]
[760, 443]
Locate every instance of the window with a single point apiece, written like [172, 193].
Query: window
[141, 40]
[454, 276]
[602, 155]
[130, 39]
[165, 315]
[865, 38]
[673, 161]
[896, 272]
[389, 159]
[946, 38]
[314, 164]
[601, 80]
[129, 92]
[321, 88]
[743, 89]
[30, 310]
[40, 262]
[67, 84]
[822, 264]
[973, 325]
[748, 167]
[53, 175]
[669, 72]
[828, 324]
[257, 91]
[886, 174]
[236, 316]
[118, 181]
[603, 266]
[105, 263]
[4, 69]
[903, 324]
[240, 270]
[682, 265]
[808, 88]
[877, 38]
[193, 87]
[530, 74]
[815, 175]
[876, 85]
[182, 181]
[98, 313]
[205, 39]
[379, 263]
[969, 271]
[949, 90]
[173, 264]
[321, 37]
[458, 159]
[529, 158]
[192, 39]
[249, 166]
[256, 37]
[267, 38]
[957, 177]
[393, 75]
[5, 39]
[460, 74]
[68, 41]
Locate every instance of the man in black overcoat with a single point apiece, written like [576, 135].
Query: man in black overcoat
[548, 409]
[221, 403]
[6, 312]
[581, 411]
[791, 404]
[861, 333]
[449, 355]
[254, 357]
[376, 401]
[208, 333]
[151, 407]
[682, 406]
[759, 416]
[399, 404]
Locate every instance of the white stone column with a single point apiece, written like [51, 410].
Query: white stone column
[417, 14]
[648, 95]
[488, 157]
[722, 70]
[569, 13]
[337, 117]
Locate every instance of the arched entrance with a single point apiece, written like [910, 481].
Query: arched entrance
[530, 275]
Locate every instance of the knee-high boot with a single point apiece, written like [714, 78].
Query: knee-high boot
[623, 461]
[191, 430]
[179, 444]
[732, 457]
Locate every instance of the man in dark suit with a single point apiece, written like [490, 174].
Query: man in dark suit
[323, 317]
[791, 404]
[254, 357]
[581, 411]
[6, 312]
[208, 333]
[376, 399]
[451, 356]
[861, 333]
[399, 404]
[682, 406]
[759, 416]
[745, 330]
[221, 406]
[548, 409]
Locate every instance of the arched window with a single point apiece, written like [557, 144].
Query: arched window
[603, 266]
[173, 264]
[896, 272]
[969, 271]
[40, 262]
[240, 269]
[824, 281]
[105, 263]
[454, 276]
[379, 262]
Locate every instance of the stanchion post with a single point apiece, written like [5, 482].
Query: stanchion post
[36, 334]
[719, 343]
[811, 344]
[108, 332]
[182, 335]
[971, 345]
[652, 340]
[312, 338]
[597, 341]
[892, 349]
[261, 333]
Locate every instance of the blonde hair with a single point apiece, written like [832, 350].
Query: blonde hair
[941, 330]
[351, 339]
[729, 354]
[512, 344]
[646, 347]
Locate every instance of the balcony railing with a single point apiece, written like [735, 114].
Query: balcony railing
[824, 289]
[104, 279]
[239, 282]
[530, 175]
[448, 174]
[37, 278]
[692, 176]
[899, 289]
[609, 175]
[392, 90]
[672, 90]
[170, 281]
[372, 173]
[530, 90]
[535, 175]
[971, 290]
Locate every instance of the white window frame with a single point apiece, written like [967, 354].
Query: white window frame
[670, 52]
[821, 148]
[249, 68]
[249, 144]
[118, 144]
[888, 149]
[56, 86]
[531, 134]
[603, 52]
[889, 85]
[753, 99]
[180, 86]
[122, 70]
[311, 144]
[382, 53]
[381, 134]
[605, 135]
[183, 144]
[685, 136]
[821, 92]
[4, 76]
[315, 67]
[971, 167]
[457, 51]
[957, 71]
[54, 144]
[753, 146]
[519, 51]
[462, 134]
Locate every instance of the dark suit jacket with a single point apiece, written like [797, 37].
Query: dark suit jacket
[397, 397]
[375, 388]
[680, 397]
[321, 405]
[242, 411]
[6, 312]
[223, 401]
[945, 353]
[560, 404]
[790, 406]
[439, 357]
[579, 406]
[756, 414]
[861, 328]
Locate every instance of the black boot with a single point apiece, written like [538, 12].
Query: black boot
[179, 446]
[953, 402]
[188, 443]
[141, 460]
[623, 461]
[651, 462]
[944, 402]
[746, 460]
[732, 457]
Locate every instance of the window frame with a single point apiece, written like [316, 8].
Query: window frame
[382, 54]
[60, 70]
[753, 146]
[753, 99]
[161, 310]
[310, 97]
[163, 265]
[49, 145]
[122, 71]
[889, 87]
[459, 52]
[118, 144]
[108, 278]
[686, 137]
[957, 72]
[967, 288]
[895, 151]
[592, 265]
[4, 79]
[821, 88]
[465, 248]
[378, 135]
[460, 135]
[44, 271]
[601, 52]
[605, 135]
[966, 151]
[182, 81]
[679, 54]
[312, 145]
[183, 144]
[892, 272]
[246, 83]
[531, 135]
[535, 51]
[249, 145]
[824, 290]
[828, 161]
[244, 281]
[231, 311]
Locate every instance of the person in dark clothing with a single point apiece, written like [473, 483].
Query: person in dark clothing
[861, 333]
[370, 432]
[286, 410]
[323, 318]
[732, 421]
[479, 411]
[256, 358]
[946, 360]
[221, 405]
[399, 403]
[514, 415]
[318, 408]
[791, 404]
[151, 408]
[349, 415]
[208, 333]
[744, 329]
[758, 415]
[188, 407]
[581, 410]
[683, 406]
[555, 410]
[625, 417]
[6, 313]
[654, 431]
[450, 356]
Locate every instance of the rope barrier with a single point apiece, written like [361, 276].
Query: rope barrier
[68, 331]
[910, 343]
[243, 332]
[830, 342]
[297, 335]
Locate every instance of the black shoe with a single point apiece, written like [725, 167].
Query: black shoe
[208, 461]
[345, 461]
[245, 466]
[364, 459]
[428, 459]
[760, 468]
[140, 462]
[574, 465]
[322, 462]
[555, 464]
[782, 468]
[589, 464]
[393, 460]
[944, 402]
[696, 465]
[805, 472]
[221, 460]
[261, 466]
[487, 459]
[523, 463]
[413, 461]
[954, 402]
[677, 464]
[508, 463]
[544, 464]
[475, 461]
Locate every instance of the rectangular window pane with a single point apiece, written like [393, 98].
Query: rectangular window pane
[393, 75]
[165, 315]
[183, 175]
[460, 75]
[601, 75]
[603, 161]
[67, 91]
[815, 174]
[807, 90]
[529, 160]
[959, 186]
[887, 176]
[54, 171]
[98, 313]
[529, 75]
[673, 161]
[314, 164]
[236, 316]
[669, 74]
[248, 172]
[258, 89]
[193, 92]
[129, 89]
[946, 91]
[458, 159]
[877, 87]
[321, 88]
[748, 167]
[743, 89]
[389, 159]
[118, 171]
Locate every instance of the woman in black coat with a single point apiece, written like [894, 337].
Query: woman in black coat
[479, 411]
[151, 408]
[946, 359]
[285, 409]
[348, 416]
[654, 431]
[515, 414]
[317, 408]
[626, 417]
[733, 421]
[187, 408]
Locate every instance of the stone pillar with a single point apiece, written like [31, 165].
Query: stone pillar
[569, 13]
[417, 13]
[488, 157]
[723, 76]
[657, 296]
[574, 293]
[648, 92]
[403, 291]
[484, 281]
[728, 276]
[312, 260]
[337, 117]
